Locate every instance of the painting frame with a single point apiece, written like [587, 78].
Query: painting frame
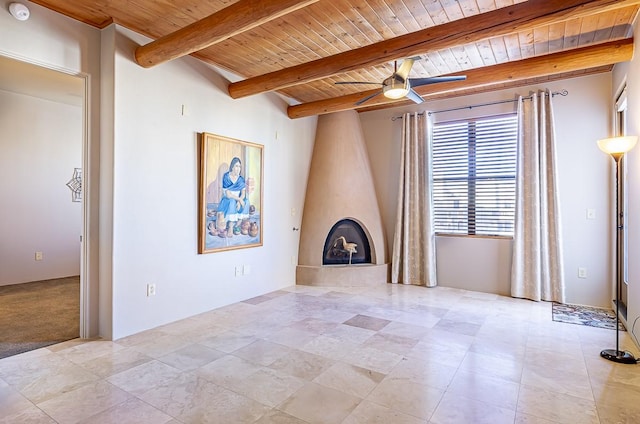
[230, 193]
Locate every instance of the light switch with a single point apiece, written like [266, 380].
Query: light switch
[591, 213]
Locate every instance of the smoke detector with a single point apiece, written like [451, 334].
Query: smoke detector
[19, 11]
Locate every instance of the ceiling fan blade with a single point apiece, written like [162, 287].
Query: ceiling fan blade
[405, 68]
[357, 82]
[414, 96]
[369, 97]
[417, 82]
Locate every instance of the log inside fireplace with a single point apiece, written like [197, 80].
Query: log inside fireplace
[338, 246]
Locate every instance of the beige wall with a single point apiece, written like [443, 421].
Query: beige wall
[155, 188]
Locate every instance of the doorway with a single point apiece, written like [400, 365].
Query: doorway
[43, 151]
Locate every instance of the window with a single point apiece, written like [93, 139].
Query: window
[474, 169]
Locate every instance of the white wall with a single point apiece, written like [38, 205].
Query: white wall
[484, 264]
[40, 145]
[155, 189]
[631, 73]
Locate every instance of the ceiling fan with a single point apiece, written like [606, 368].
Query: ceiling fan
[398, 85]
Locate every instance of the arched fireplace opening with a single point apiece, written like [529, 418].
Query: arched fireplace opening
[346, 244]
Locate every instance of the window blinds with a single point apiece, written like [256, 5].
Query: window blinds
[474, 166]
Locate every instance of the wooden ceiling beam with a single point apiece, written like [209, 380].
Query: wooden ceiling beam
[239, 17]
[475, 28]
[551, 64]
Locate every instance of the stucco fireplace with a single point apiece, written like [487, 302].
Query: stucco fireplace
[341, 210]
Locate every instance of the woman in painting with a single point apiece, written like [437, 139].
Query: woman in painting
[234, 205]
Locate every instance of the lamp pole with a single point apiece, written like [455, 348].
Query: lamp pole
[617, 147]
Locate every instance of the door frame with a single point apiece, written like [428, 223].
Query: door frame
[86, 314]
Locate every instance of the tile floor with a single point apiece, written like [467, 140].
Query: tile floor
[391, 354]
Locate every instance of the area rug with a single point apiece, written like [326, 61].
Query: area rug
[585, 315]
[38, 314]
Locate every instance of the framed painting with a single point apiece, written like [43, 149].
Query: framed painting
[230, 194]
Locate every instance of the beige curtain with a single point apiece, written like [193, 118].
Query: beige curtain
[414, 252]
[537, 271]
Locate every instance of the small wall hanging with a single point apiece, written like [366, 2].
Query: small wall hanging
[75, 184]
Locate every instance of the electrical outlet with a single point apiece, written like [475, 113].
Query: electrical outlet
[38, 256]
[582, 272]
[151, 290]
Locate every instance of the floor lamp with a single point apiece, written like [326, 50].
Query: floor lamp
[617, 147]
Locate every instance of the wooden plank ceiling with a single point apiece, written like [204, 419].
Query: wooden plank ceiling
[301, 48]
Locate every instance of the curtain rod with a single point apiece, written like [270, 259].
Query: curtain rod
[555, 93]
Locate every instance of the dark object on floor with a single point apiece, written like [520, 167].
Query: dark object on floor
[585, 315]
[38, 314]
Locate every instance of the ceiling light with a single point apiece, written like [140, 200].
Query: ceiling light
[19, 11]
[394, 89]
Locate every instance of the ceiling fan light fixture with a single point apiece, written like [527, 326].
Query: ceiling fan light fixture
[394, 89]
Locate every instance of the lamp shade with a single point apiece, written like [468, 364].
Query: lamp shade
[618, 145]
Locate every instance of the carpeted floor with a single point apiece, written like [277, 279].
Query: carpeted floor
[38, 314]
[585, 315]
